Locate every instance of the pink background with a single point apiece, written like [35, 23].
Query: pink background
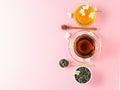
[32, 43]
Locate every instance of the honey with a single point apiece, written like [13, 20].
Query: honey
[84, 46]
[85, 15]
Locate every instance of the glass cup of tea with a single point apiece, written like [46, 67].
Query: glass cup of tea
[84, 46]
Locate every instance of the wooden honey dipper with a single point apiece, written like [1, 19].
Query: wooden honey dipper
[67, 27]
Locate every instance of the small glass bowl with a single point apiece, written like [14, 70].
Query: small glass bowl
[83, 75]
[97, 45]
[85, 15]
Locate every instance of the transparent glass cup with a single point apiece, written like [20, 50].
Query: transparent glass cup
[84, 46]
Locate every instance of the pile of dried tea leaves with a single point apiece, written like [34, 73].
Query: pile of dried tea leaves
[82, 75]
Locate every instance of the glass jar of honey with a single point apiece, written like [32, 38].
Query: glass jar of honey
[85, 15]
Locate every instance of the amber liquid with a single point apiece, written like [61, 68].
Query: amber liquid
[84, 46]
[85, 20]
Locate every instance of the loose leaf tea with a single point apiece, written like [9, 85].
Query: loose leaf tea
[63, 63]
[82, 75]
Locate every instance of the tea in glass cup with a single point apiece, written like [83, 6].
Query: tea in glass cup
[84, 46]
